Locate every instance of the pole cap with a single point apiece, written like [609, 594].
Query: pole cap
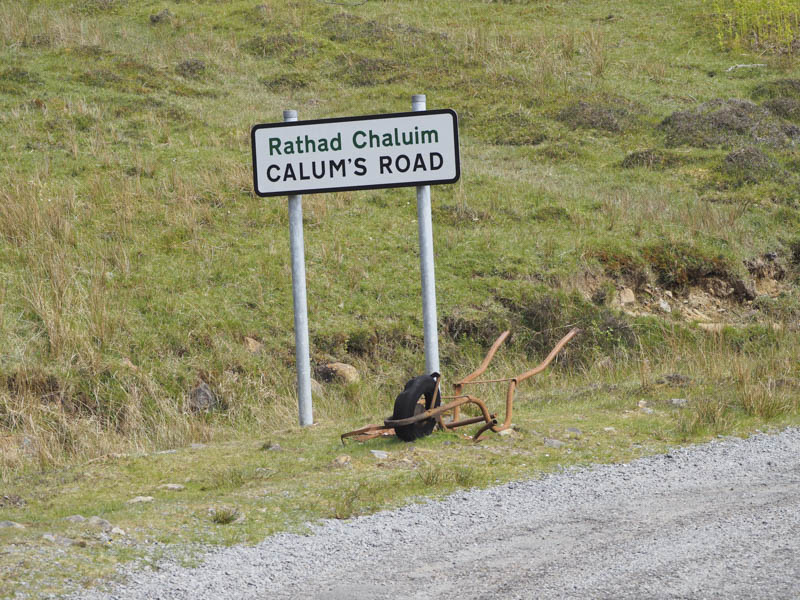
[290, 115]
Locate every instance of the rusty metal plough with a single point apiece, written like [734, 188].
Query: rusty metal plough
[421, 411]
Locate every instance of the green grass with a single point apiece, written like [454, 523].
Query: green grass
[135, 260]
[762, 24]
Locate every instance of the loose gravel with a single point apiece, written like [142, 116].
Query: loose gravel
[721, 520]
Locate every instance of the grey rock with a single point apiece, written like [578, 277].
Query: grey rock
[553, 443]
[117, 531]
[140, 500]
[11, 525]
[679, 402]
[664, 306]
[172, 487]
[75, 519]
[203, 398]
[96, 521]
[379, 454]
[57, 539]
[574, 430]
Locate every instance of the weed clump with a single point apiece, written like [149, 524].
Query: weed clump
[727, 123]
[786, 108]
[515, 129]
[780, 88]
[191, 69]
[551, 214]
[594, 115]
[345, 27]
[263, 47]
[680, 264]
[366, 72]
[649, 159]
[164, 16]
[286, 81]
[746, 166]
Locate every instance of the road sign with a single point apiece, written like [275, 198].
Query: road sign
[356, 153]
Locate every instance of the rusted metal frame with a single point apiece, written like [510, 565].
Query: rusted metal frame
[366, 433]
[457, 387]
[434, 412]
[514, 381]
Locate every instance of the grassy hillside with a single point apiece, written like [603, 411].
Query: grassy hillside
[597, 153]
[607, 147]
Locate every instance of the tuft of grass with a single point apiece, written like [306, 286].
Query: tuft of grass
[225, 515]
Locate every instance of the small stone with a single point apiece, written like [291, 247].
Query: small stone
[276, 447]
[379, 454]
[75, 519]
[647, 411]
[553, 443]
[101, 523]
[173, 487]
[342, 460]
[574, 430]
[642, 403]
[609, 429]
[253, 345]
[668, 294]
[506, 432]
[626, 296]
[679, 402]
[338, 371]
[140, 500]
[664, 306]
[11, 525]
[197, 446]
[57, 539]
[117, 531]
[165, 452]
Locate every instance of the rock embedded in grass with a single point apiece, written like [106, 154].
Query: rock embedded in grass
[75, 519]
[103, 524]
[140, 500]
[202, 398]
[338, 371]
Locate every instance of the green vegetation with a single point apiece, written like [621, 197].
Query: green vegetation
[597, 160]
[772, 25]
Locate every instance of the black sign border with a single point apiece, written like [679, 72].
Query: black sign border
[346, 120]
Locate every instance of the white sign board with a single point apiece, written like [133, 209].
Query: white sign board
[356, 153]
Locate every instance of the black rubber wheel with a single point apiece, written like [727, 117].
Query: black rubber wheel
[407, 404]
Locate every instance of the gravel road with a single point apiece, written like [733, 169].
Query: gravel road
[720, 520]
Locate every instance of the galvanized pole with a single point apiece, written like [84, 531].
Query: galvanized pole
[299, 298]
[425, 227]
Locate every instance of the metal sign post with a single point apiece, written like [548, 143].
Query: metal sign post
[413, 149]
[425, 227]
[299, 301]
